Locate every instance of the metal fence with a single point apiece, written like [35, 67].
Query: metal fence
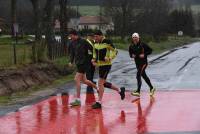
[24, 52]
[57, 50]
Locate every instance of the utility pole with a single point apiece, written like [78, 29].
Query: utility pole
[77, 10]
[64, 17]
[100, 15]
[14, 27]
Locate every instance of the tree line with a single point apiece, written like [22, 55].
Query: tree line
[43, 23]
[153, 17]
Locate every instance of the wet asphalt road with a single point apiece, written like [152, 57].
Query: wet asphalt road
[177, 69]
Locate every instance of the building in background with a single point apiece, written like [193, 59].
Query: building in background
[2, 25]
[74, 23]
[88, 22]
[96, 22]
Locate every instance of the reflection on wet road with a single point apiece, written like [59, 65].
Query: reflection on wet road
[169, 112]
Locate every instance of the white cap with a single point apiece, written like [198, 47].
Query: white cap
[135, 35]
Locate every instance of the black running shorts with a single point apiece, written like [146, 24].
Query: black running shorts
[103, 71]
[81, 68]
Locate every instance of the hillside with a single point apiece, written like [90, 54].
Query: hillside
[86, 7]
[85, 2]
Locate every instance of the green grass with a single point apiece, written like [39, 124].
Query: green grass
[119, 43]
[23, 53]
[159, 47]
[23, 57]
[195, 8]
[88, 10]
[171, 43]
[10, 99]
[9, 40]
[94, 10]
[123, 46]
[61, 62]
[5, 99]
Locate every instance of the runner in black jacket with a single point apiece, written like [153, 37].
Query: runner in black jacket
[139, 51]
[91, 68]
[78, 50]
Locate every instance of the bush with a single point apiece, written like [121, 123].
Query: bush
[109, 33]
[147, 38]
[39, 52]
[119, 40]
[42, 51]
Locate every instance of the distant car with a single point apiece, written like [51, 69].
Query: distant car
[30, 41]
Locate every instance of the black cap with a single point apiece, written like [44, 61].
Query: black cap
[98, 32]
[74, 32]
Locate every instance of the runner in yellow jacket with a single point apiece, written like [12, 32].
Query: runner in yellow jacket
[103, 54]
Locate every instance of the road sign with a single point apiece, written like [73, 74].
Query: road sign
[180, 33]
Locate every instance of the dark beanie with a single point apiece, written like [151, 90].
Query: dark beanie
[98, 32]
[74, 32]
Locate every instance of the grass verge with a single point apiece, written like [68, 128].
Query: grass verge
[86, 10]
[162, 46]
[10, 99]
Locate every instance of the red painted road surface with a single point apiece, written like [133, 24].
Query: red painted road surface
[168, 112]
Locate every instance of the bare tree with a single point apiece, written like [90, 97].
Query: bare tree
[198, 23]
[154, 18]
[13, 13]
[121, 12]
[63, 20]
[37, 27]
[14, 19]
[49, 25]
[144, 16]
[183, 19]
[37, 18]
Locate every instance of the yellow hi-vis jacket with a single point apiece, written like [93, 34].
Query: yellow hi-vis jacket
[104, 50]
